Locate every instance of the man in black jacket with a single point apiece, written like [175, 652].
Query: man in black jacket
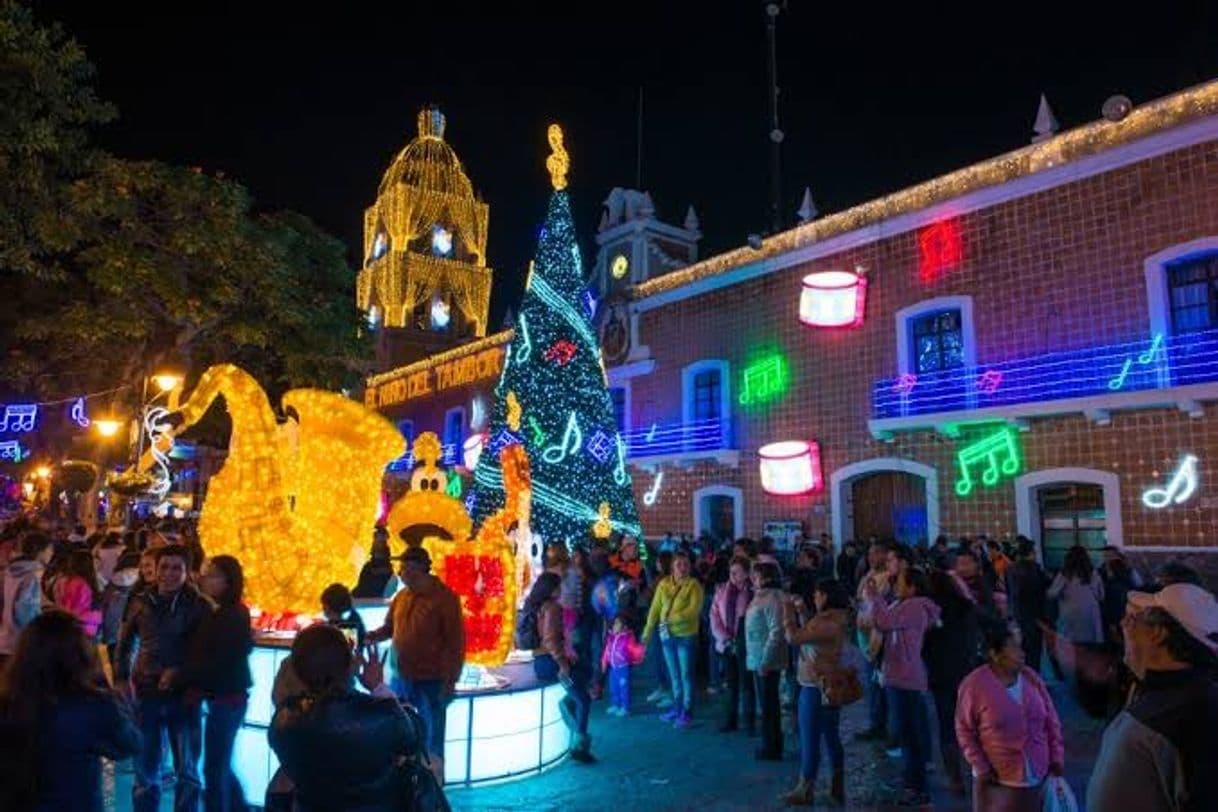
[1026, 586]
[163, 620]
[343, 749]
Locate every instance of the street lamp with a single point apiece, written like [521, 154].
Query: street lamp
[167, 381]
[107, 426]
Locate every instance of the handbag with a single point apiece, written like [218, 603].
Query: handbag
[841, 686]
[1058, 796]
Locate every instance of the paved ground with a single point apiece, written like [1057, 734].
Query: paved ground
[647, 765]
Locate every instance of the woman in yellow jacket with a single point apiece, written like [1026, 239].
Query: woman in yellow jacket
[676, 609]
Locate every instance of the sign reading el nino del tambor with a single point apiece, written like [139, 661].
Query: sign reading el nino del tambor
[425, 381]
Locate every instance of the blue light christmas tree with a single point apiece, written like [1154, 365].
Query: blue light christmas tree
[553, 397]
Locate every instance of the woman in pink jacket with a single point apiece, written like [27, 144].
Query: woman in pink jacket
[1007, 727]
[730, 603]
[75, 590]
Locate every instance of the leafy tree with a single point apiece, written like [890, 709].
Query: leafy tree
[47, 105]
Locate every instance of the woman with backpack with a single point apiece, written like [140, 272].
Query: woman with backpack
[539, 628]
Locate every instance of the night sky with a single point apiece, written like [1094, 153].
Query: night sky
[307, 106]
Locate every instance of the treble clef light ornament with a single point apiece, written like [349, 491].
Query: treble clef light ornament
[559, 162]
[160, 439]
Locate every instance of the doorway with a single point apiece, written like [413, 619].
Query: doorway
[1071, 513]
[890, 505]
[719, 512]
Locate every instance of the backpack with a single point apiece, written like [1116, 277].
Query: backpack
[528, 638]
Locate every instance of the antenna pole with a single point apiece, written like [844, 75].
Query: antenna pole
[776, 135]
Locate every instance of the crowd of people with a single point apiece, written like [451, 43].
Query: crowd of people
[949, 637]
[126, 645]
[135, 646]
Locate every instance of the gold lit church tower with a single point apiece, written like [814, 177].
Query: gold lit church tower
[424, 285]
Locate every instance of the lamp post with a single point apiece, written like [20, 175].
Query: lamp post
[168, 381]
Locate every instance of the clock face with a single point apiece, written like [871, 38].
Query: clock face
[441, 241]
[620, 266]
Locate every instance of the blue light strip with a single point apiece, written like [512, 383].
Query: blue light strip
[1148, 364]
[701, 435]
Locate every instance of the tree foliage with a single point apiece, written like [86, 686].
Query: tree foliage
[115, 266]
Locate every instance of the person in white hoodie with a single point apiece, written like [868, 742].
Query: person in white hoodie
[22, 598]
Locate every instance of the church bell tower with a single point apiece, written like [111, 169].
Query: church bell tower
[424, 285]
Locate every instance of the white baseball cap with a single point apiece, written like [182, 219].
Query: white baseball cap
[1189, 605]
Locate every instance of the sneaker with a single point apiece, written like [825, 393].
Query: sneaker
[893, 752]
[665, 702]
[671, 715]
[711, 690]
[682, 721]
[582, 757]
[657, 695]
[616, 711]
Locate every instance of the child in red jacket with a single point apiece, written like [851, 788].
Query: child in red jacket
[622, 650]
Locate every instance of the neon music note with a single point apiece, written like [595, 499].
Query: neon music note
[762, 380]
[619, 473]
[572, 441]
[23, 415]
[651, 433]
[539, 436]
[1179, 490]
[990, 380]
[1119, 381]
[526, 347]
[905, 384]
[11, 450]
[1155, 346]
[78, 414]
[649, 498]
[988, 449]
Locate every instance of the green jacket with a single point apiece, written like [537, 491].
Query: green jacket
[678, 605]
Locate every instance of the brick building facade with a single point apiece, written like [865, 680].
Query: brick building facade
[1066, 292]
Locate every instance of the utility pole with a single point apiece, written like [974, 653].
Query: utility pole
[772, 10]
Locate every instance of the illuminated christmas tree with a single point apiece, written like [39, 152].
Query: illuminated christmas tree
[553, 398]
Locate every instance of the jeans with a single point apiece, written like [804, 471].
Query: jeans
[740, 682]
[817, 720]
[873, 693]
[425, 696]
[771, 712]
[222, 791]
[619, 686]
[662, 679]
[546, 670]
[949, 747]
[158, 712]
[914, 730]
[679, 657]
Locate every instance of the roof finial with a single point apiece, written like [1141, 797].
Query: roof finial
[431, 123]
[1046, 123]
[559, 162]
[807, 209]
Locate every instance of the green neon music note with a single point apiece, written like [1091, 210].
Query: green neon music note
[989, 450]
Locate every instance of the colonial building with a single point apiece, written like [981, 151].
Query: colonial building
[1029, 344]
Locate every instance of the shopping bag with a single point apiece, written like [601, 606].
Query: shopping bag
[1058, 796]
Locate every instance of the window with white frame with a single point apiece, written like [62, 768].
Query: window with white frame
[1192, 284]
[936, 335]
[706, 396]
